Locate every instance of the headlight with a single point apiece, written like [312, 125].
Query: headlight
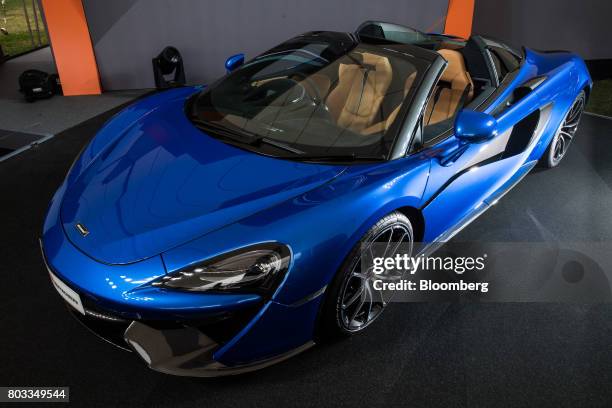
[258, 268]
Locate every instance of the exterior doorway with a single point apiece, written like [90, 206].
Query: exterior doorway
[22, 28]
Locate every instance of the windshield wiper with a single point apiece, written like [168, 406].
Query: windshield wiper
[252, 139]
[339, 158]
[246, 137]
[277, 144]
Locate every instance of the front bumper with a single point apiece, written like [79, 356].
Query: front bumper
[166, 351]
[172, 349]
[176, 332]
[212, 344]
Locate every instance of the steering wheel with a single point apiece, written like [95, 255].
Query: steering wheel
[269, 91]
[316, 100]
[302, 94]
[298, 94]
[313, 90]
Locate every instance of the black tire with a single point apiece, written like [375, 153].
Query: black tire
[557, 149]
[330, 324]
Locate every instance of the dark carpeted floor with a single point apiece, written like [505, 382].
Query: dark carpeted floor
[477, 355]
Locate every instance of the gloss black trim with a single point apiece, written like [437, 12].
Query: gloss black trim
[490, 160]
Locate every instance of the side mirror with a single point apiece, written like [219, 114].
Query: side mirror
[233, 62]
[472, 126]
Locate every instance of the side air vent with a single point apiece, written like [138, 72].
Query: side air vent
[527, 131]
[521, 134]
[518, 94]
[533, 83]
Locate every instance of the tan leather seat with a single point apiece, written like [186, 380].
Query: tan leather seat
[356, 99]
[321, 82]
[384, 125]
[456, 81]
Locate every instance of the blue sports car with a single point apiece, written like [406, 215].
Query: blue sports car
[216, 230]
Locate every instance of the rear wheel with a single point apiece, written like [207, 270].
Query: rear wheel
[565, 134]
[351, 304]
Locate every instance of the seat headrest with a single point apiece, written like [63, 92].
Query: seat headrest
[455, 70]
[379, 72]
[379, 62]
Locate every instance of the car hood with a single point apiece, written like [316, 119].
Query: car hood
[164, 182]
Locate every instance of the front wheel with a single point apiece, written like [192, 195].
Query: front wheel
[560, 143]
[351, 304]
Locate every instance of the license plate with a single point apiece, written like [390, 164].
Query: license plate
[68, 294]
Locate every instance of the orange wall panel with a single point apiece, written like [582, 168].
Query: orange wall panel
[459, 18]
[72, 48]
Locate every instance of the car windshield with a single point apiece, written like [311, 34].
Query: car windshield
[311, 97]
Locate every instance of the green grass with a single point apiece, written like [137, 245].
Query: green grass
[600, 101]
[18, 39]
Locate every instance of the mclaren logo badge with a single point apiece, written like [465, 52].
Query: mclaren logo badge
[82, 229]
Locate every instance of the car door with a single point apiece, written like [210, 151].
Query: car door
[462, 176]
[466, 178]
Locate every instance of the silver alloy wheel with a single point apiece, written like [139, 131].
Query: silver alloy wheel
[360, 304]
[567, 130]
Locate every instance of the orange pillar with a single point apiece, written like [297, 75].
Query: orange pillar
[459, 18]
[72, 48]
